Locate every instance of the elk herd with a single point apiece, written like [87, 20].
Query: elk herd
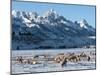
[61, 58]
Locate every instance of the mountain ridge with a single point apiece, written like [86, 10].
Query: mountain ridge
[49, 31]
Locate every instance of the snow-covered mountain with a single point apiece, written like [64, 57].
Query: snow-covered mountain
[51, 30]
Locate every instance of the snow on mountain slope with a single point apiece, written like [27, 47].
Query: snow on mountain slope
[49, 31]
[83, 23]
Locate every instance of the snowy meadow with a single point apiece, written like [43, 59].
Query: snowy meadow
[45, 60]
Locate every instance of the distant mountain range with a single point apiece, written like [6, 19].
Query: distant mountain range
[50, 31]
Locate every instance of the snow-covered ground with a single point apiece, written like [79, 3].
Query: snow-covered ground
[47, 66]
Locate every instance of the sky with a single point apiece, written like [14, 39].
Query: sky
[71, 12]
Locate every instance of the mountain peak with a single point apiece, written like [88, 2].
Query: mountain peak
[83, 23]
[51, 14]
[51, 10]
